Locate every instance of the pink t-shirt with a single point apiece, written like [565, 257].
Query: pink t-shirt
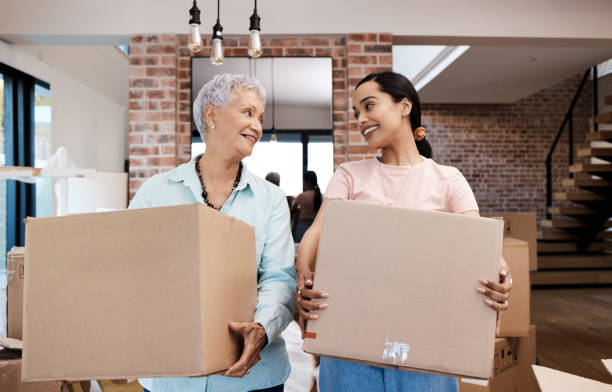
[425, 186]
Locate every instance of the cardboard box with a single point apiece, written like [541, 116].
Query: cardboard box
[10, 374]
[522, 226]
[137, 293]
[14, 294]
[518, 377]
[505, 355]
[551, 380]
[515, 321]
[402, 285]
[526, 357]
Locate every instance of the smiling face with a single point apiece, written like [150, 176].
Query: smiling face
[380, 119]
[238, 126]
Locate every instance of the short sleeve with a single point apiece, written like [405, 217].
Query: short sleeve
[339, 185]
[459, 196]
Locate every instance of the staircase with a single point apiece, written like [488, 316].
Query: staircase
[575, 242]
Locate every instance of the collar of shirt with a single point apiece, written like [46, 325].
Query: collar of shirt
[189, 177]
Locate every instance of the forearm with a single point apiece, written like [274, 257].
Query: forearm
[307, 251]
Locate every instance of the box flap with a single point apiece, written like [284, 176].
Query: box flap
[608, 364]
[551, 380]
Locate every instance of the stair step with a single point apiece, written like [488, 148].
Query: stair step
[595, 152]
[604, 118]
[549, 278]
[571, 211]
[591, 168]
[577, 196]
[586, 182]
[561, 235]
[570, 247]
[563, 223]
[608, 100]
[599, 135]
[574, 261]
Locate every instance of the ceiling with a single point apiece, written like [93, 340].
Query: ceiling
[484, 74]
[105, 22]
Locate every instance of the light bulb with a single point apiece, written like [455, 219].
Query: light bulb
[195, 38]
[216, 55]
[255, 44]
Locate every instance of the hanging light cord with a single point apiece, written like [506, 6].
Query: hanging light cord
[218, 9]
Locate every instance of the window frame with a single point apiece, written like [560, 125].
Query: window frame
[19, 148]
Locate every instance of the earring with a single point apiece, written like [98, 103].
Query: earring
[212, 127]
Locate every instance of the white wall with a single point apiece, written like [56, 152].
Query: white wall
[88, 105]
[588, 19]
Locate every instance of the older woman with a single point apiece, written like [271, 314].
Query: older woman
[387, 109]
[229, 112]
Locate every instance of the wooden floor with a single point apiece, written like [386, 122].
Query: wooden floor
[574, 329]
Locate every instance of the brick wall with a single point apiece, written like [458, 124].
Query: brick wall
[153, 111]
[501, 149]
[160, 99]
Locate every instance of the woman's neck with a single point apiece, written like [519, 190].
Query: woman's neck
[217, 168]
[403, 152]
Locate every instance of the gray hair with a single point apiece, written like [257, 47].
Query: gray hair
[219, 92]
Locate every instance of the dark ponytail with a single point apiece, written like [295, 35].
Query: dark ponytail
[399, 87]
[310, 177]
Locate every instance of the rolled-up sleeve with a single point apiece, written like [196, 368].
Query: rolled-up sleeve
[276, 277]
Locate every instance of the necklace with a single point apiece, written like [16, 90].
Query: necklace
[204, 192]
[382, 184]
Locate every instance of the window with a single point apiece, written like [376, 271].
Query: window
[289, 155]
[42, 147]
[2, 182]
[26, 135]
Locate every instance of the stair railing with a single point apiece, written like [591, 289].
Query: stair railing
[567, 120]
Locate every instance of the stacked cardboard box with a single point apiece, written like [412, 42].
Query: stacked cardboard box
[522, 226]
[14, 293]
[10, 370]
[517, 375]
[150, 299]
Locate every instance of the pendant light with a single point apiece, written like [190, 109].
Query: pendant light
[194, 44]
[254, 39]
[216, 54]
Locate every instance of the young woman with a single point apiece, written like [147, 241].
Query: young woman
[306, 206]
[388, 112]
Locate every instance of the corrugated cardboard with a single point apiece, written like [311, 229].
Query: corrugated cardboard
[506, 381]
[505, 355]
[518, 377]
[137, 293]
[526, 357]
[14, 293]
[515, 321]
[522, 226]
[402, 285]
[10, 371]
[551, 380]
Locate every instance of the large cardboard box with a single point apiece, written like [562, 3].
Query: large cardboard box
[522, 226]
[10, 372]
[136, 293]
[515, 321]
[14, 294]
[402, 285]
[516, 375]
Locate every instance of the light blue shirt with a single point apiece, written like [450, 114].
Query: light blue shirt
[264, 206]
